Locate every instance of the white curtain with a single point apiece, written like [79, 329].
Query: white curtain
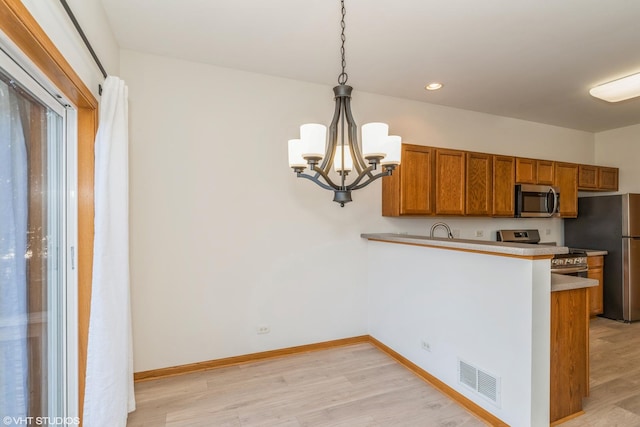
[109, 379]
[13, 245]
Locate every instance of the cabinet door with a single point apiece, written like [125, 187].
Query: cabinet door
[545, 172]
[569, 352]
[479, 189]
[450, 182]
[566, 179]
[608, 178]
[587, 177]
[526, 171]
[503, 186]
[409, 190]
[596, 272]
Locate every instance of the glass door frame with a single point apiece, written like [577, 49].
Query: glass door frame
[22, 70]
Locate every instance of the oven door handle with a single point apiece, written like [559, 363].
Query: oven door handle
[570, 270]
[555, 202]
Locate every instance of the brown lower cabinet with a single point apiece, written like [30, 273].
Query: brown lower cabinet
[596, 264]
[569, 352]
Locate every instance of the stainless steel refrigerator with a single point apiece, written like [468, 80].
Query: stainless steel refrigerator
[612, 223]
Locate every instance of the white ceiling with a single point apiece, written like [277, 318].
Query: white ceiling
[529, 59]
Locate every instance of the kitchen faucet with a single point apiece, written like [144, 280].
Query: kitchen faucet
[441, 224]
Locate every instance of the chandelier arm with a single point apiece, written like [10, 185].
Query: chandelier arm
[356, 154]
[316, 180]
[325, 175]
[333, 138]
[361, 175]
[369, 181]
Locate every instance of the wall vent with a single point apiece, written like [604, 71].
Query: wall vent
[481, 382]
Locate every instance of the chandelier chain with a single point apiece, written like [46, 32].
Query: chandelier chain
[343, 77]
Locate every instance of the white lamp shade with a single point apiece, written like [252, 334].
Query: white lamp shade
[314, 139]
[295, 154]
[373, 139]
[337, 160]
[393, 148]
[618, 90]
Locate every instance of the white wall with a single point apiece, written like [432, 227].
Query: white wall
[492, 312]
[225, 238]
[621, 148]
[54, 21]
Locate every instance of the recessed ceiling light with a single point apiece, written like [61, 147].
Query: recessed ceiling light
[618, 90]
[433, 86]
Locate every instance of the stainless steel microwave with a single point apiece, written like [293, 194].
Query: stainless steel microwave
[537, 201]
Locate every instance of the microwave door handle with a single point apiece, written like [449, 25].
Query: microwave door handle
[555, 202]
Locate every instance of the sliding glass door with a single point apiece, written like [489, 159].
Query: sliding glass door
[37, 238]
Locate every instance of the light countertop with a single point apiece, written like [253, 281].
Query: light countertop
[486, 246]
[563, 282]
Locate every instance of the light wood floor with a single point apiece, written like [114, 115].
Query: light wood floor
[361, 386]
[349, 386]
[614, 400]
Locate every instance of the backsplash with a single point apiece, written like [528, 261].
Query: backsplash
[551, 229]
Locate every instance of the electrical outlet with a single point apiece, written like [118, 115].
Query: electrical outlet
[479, 233]
[425, 345]
[263, 329]
[456, 233]
[547, 231]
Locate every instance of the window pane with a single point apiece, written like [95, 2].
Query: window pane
[31, 235]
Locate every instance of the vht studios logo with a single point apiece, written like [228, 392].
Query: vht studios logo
[41, 421]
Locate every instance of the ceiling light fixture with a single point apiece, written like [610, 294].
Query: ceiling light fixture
[618, 90]
[342, 153]
[433, 86]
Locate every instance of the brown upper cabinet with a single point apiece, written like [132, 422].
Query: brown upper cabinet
[587, 177]
[503, 186]
[597, 178]
[479, 188]
[532, 171]
[450, 182]
[526, 171]
[545, 172]
[409, 191]
[566, 179]
[439, 181]
[607, 178]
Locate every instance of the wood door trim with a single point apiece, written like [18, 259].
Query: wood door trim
[26, 33]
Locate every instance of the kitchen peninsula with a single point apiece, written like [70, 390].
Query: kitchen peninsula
[477, 315]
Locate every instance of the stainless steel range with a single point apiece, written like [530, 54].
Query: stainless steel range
[574, 263]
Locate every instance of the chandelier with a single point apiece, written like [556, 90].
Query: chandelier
[341, 151]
